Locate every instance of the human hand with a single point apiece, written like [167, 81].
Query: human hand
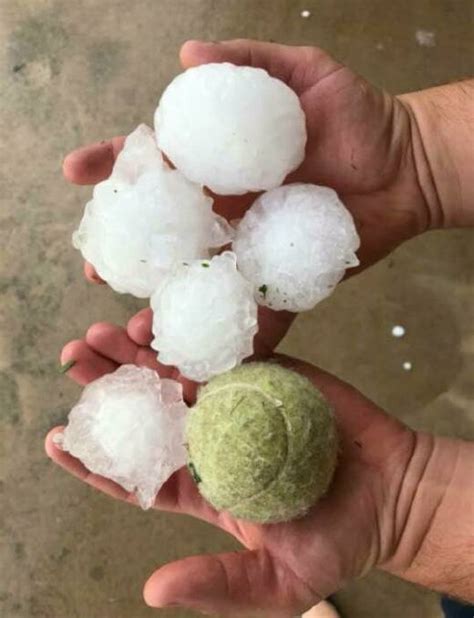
[359, 143]
[289, 567]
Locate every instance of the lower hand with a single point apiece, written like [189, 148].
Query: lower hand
[285, 568]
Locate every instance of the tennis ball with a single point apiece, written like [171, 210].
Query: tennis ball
[262, 443]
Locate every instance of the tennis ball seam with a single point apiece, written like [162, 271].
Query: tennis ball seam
[228, 424]
[279, 407]
[276, 403]
[281, 471]
[243, 386]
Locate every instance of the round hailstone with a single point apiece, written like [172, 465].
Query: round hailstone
[129, 427]
[204, 318]
[295, 244]
[145, 218]
[232, 129]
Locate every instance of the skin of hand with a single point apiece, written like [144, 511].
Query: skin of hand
[360, 142]
[396, 495]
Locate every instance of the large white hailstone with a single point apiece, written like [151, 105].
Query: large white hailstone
[294, 244]
[204, 317]
[145, 218]
[129, 427]
[233, 129]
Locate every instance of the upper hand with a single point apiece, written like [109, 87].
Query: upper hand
[359, 143]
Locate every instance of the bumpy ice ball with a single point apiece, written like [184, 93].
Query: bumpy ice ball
[204, 317]
[232, 129]
[129, 427]
[294, 244]
[145, 218]
[262, 443]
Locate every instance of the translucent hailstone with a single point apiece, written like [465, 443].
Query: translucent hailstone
[232, 129]
[295, 244]
[129, 427]
[145, 218]
[205, 317]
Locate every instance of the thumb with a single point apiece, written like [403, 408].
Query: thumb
[247, 583]
[299, 67]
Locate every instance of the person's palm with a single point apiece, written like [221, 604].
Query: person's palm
[287, 567]
[359, 143]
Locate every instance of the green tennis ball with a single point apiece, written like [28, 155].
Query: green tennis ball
[262, 443]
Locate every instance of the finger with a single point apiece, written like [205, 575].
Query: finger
[91, 274]
[112, 342]
[91, 164]
[272, 327]
[247, 583]
[178, 495]
[299, 67]
[88, 364]
[139, 327]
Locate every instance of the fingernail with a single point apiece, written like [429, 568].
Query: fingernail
[199, 42]
[58, 440]
[66, 366]
[161, 605]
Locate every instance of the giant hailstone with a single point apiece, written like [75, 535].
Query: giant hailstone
[145, 218]
[233, 129]
[129, 427]
[204, 317]
[294, 244]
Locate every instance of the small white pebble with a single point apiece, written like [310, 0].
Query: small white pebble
[398, 331]
[407, 366]
[425, 38]
[305, 14]
[380, 46]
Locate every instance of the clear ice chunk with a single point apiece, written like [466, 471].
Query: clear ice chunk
[128, 426]
[145, 218]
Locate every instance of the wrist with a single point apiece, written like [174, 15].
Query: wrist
[434, 518]
[442, 152]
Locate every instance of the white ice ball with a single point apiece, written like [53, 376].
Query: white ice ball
[204, 318]
[294, 244]
[233, 129]
[129, 427]
[145, 218]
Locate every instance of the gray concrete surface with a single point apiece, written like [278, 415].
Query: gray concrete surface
[72, 72]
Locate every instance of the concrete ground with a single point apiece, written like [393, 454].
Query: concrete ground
[72, 72]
